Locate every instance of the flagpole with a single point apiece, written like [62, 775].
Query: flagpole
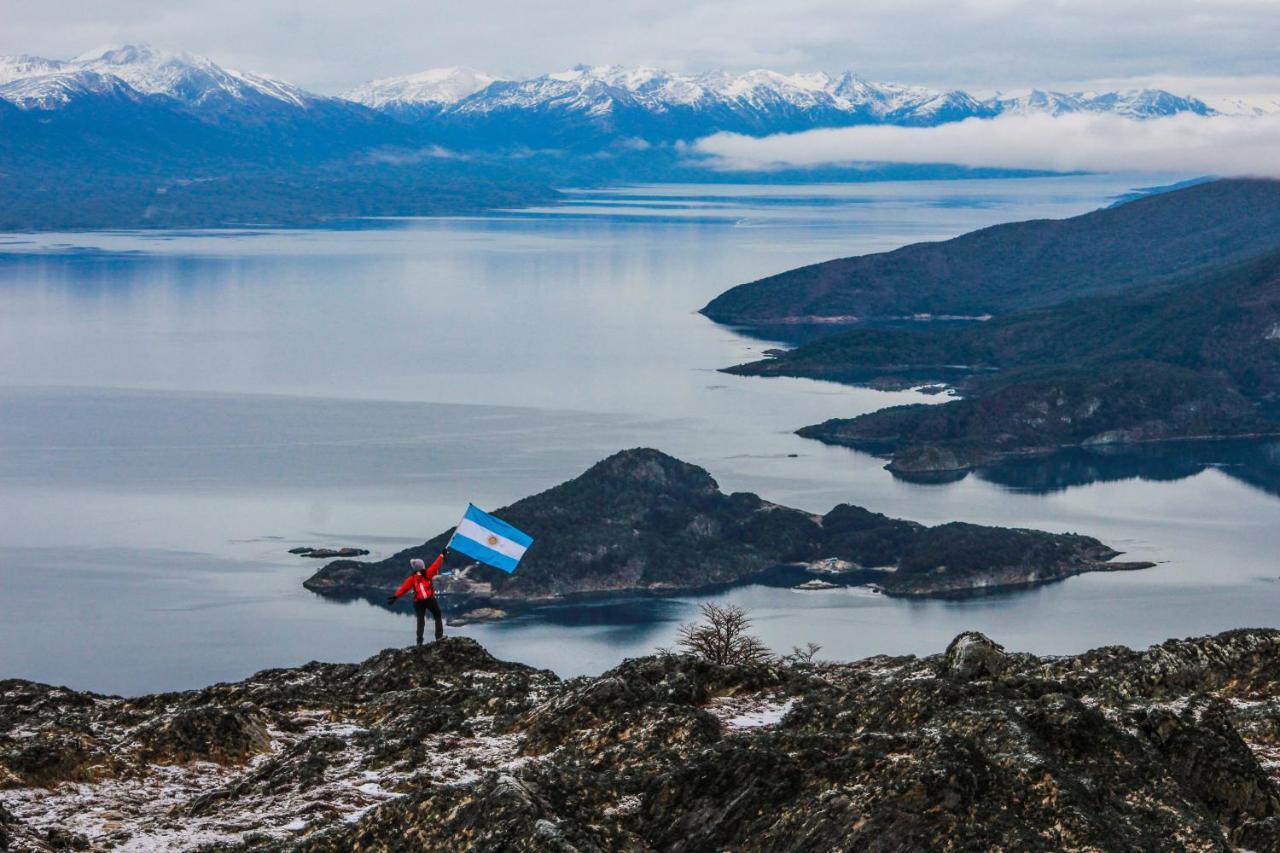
[448, 545]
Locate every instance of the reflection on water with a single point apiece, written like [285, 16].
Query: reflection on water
[1252, 461]
[177, 409]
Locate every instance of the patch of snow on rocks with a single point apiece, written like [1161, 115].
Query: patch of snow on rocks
[154, 811]
[750, 712]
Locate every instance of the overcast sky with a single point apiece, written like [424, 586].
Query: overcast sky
[326, 45]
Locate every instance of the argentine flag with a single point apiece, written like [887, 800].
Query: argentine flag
[490, 540]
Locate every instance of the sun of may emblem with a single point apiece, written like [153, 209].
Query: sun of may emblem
[492, 540]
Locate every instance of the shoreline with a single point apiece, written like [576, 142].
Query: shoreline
[785, 576]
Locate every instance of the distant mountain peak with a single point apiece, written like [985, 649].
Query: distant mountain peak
[32, 82]
[24, 65]
[434, 86]
[118, 54]
[1131, 103]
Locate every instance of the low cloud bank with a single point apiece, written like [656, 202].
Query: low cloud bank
[1219, 145]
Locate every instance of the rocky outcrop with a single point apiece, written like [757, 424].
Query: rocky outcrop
[643, 521]
[444, 747]
[243, 762]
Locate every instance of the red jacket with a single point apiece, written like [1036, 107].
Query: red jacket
[421, 583]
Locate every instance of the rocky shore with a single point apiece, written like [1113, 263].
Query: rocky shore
[446, 748]
[644, 522]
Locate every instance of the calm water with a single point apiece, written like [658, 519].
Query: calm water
[177, 409]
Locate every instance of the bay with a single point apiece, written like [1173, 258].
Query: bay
[177, 409]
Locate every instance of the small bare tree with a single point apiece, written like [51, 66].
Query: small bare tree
[722, 637]
[802, 655]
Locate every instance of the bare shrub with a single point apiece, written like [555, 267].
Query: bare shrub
[722, 637]
[802, 655]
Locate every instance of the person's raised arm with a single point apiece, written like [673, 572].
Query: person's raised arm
[435, 567]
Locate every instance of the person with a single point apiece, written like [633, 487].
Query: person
[424, 596]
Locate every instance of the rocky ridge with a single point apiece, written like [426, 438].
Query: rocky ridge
[445, 747]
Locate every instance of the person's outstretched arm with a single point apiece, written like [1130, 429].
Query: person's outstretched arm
[404, 587]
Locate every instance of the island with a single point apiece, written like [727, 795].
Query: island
[327, 553]
[641, 521]
[445, 747]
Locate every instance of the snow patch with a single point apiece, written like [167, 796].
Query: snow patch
[750, 712]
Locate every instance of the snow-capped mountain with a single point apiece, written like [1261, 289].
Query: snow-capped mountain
[755, 97]
[601, 89]
[36, 83]
[1245, 105]
[143, 107]
[434, 87]
[54, 90]
[1134, 103]
[583, 107]
[17, 67]
[594, 106]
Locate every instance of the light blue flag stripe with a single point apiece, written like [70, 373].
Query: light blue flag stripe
[498, 526]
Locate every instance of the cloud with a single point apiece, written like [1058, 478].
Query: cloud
[402, 157]
[1218, 145]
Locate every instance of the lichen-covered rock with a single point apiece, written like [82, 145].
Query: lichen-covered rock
[446, 748]
[973, 655]
[208, 733]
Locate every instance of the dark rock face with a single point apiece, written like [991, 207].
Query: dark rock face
[644, 521]
[446, 748]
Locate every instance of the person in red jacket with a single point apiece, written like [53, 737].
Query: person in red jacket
[424, 597]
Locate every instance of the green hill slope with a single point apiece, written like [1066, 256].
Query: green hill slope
[1023, 265]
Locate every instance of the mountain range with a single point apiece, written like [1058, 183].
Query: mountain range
[477, 110]
[134, 136]
[656, 105]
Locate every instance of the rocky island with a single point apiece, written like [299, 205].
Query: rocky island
[643, 521]
[446, 748]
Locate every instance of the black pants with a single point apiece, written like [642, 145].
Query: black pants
[420, 609]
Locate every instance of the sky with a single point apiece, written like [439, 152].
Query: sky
[1231, 46]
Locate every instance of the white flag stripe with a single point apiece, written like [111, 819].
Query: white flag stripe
[468, 529]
